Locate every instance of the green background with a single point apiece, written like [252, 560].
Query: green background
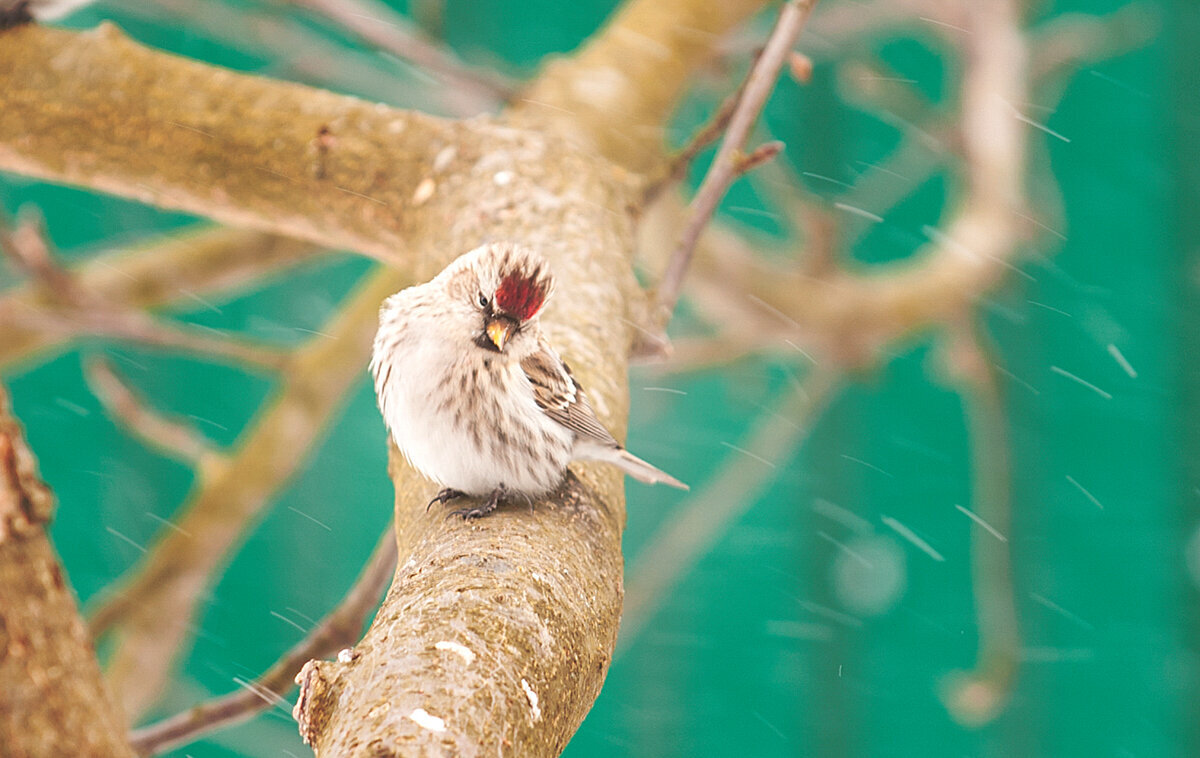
[773, 643]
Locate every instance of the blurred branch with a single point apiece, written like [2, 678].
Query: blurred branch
[53, 701]
[1070, 40]
[848, 314]
[638, 65]
[726, 167]
[167, 436]
[94, 319]
[703, 517]
[150, 613]
[380, 26]
[70, 311]
[292, 49]
[25, 243]
[977, 696]
[106, 294]
[340, 629]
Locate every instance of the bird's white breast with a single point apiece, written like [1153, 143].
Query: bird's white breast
[465, 417]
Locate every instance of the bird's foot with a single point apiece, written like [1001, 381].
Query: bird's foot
[487, 506]
[445, 496]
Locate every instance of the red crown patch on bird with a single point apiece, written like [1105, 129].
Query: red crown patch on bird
[522, 296]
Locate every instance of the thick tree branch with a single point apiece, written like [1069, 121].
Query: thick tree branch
[117, 117]
[614, 96]
[53, 701]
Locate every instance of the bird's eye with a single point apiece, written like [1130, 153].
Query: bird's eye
[483, 301]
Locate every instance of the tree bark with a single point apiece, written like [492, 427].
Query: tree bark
[52, 700]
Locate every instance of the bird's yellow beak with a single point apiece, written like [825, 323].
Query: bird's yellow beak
[498, 331]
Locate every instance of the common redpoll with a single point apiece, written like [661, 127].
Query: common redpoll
[474, 395]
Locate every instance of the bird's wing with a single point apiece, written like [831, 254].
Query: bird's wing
[561, 398]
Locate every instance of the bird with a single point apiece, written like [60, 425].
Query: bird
[474, 395]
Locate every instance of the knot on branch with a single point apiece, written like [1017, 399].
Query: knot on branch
[25, 501]
[316, 699]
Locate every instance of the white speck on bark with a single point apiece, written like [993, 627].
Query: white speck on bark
[465, 652]
[533, 700]
[426, 720]
[424, 191]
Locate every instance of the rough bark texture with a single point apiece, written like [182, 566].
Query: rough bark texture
[52, 702]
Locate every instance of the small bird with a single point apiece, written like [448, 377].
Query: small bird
[474, 395]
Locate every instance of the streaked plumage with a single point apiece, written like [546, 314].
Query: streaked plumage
[474, 395]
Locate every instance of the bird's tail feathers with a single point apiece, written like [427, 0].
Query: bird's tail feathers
[642, 471]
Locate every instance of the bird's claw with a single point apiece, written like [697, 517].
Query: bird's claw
[444, 496]
[483, 509]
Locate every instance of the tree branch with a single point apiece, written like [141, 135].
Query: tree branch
[978, 695]
[339, 629]
[239, 149]
[614, 96]
[380, 26]
[145, 276]
[725, 167]
[150, 613]
[53, 700]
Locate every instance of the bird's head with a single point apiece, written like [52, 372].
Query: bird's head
[499, 289]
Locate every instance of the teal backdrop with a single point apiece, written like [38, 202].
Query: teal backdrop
[777, 641]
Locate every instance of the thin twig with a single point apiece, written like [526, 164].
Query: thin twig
[746, 162]
[677, 165]
[27, 244]
[147, 612]
[724, 169]
[387, 30]
[339, 629]
[101, 320]
[976, 696]
[69, 310]
[169, 436]
[734, 489]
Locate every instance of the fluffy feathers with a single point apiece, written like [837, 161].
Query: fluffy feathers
[474, 396]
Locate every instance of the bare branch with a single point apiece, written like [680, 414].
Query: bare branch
[53, 700]
[702, 518]
[977, 696]
[27, 245]
[339, 629]
[1072, 39]
[181, 268]
[149, 614]
[379, 25]
[99, 320]
[677, 165]
[168, 436]
[759, 84]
